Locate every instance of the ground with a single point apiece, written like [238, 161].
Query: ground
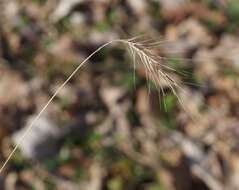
[111, 127]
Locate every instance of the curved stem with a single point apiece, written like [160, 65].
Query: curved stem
[30, 126]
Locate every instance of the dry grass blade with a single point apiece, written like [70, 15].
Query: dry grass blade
[141, 50]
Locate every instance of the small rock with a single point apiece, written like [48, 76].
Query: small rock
[41, 141]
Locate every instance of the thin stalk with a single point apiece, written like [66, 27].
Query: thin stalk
[30, 126]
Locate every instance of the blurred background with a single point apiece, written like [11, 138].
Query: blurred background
[104, 130]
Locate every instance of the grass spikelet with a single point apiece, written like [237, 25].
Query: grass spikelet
[142, 52]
